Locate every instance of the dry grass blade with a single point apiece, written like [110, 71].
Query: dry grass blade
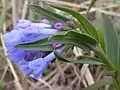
[68, 3]
[24, 9]
[58, 65]
[73, 82]
[4, 73]
[45, 83]
[3, 14]
[14, 18]
[51, 78]
[93, 9]
[85, 70]
[89, 77]
[57, 75]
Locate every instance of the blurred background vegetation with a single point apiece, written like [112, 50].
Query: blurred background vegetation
[59, 76]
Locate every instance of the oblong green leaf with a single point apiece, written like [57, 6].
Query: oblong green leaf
[111, 41]
[42, 44]
[80, 40]
[91, 61]
[43, 41]
[68, 40]
[83, 36]
[47, 47]
[47, 13]
[119, 52]
[88, 27]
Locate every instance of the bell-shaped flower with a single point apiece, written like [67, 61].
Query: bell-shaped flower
[30, 61]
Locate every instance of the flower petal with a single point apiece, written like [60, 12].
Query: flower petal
[40, 70]
[13, 37]
[47, 31]
[22, 24]
[16, 56]
[41, 25]
[28, 72]
[36, 63]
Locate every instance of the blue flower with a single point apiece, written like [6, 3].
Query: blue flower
[30, 61]
[39, 65]
[11, 39]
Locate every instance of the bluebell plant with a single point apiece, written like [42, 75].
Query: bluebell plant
[81, 33]
[31, 61]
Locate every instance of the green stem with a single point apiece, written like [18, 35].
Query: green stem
[116, 80]
[110, 66]
[104, 58]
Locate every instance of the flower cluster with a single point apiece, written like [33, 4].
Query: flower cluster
[30, 61]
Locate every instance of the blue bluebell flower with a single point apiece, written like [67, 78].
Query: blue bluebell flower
[30, 61]
[39, 65]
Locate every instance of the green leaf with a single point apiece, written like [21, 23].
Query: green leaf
[91, 4]
[111, 41]
[100, 28]
[43, 45]
[47, 47]
[47, 13]
[119, 55]
[88, 27]
[1, 86]
[91, 61]
[79, 39]
[105, 81]
[101, 39]
[43, 41]
[83, 36]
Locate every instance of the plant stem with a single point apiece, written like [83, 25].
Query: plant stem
[104, 59]
[110, 66]
[116, 80]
